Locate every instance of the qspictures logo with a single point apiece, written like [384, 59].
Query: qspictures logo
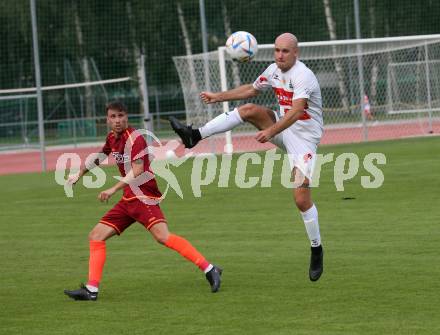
[207, 169]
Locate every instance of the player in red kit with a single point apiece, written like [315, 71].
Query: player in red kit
[138, 203]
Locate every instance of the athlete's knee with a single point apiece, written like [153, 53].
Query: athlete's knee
[101, 232]
[161, 240]
[302, 204]
[303, 200]
[160, 237]
[95, 235]
[247, 111]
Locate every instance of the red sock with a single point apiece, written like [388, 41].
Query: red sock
[185, 248]
[96, 262]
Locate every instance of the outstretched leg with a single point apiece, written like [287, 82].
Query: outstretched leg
[261, 117]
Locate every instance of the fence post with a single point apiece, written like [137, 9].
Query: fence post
[74, 131]
[148, 124]
[38, 86]
[428, 88]
[360, 69]
[229, 149]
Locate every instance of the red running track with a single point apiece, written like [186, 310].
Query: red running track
[29, 161]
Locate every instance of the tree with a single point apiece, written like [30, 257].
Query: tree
[84, 62]
[228, 32]
[374, 66]
[193, 82]
[338, 67]
[137, 59]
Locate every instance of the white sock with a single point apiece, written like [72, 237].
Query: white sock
[221, 123]
[209, 268]
[310, 218]
[92, 289]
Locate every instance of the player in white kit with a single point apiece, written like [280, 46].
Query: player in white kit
[296, 127]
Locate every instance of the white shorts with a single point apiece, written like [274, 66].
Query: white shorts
[301, 153]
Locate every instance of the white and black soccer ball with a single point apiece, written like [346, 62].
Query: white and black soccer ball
[242, 46]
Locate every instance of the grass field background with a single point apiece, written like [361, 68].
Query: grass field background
[381, 256]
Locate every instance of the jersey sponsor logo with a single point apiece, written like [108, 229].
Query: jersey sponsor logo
[305, 116]
[121, 158]
[284, 97]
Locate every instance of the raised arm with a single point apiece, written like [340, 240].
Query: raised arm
[239, 93]
[293, 115]
[93, 161]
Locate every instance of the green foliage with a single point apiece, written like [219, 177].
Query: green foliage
[107, 39]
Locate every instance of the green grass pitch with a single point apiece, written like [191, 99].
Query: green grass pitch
[381, 256]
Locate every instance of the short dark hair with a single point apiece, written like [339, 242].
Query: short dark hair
[116, 105]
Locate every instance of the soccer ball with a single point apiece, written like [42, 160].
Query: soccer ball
[242, 46]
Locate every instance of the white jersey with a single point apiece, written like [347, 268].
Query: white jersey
[298, 82]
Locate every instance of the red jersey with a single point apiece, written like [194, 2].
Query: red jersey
[126, 148]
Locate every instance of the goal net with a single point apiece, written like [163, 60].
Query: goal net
[372, 89]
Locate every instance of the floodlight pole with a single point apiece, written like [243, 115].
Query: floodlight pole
[360, 68]
[38, 86]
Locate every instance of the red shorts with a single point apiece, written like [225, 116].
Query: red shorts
[124, 213]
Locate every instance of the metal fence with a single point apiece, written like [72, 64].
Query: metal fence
[79, 43]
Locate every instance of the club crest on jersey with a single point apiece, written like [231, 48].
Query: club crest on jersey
[120, 158]
[307, 157]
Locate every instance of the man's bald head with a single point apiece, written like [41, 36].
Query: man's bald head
[287, 38]
[286, 51]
